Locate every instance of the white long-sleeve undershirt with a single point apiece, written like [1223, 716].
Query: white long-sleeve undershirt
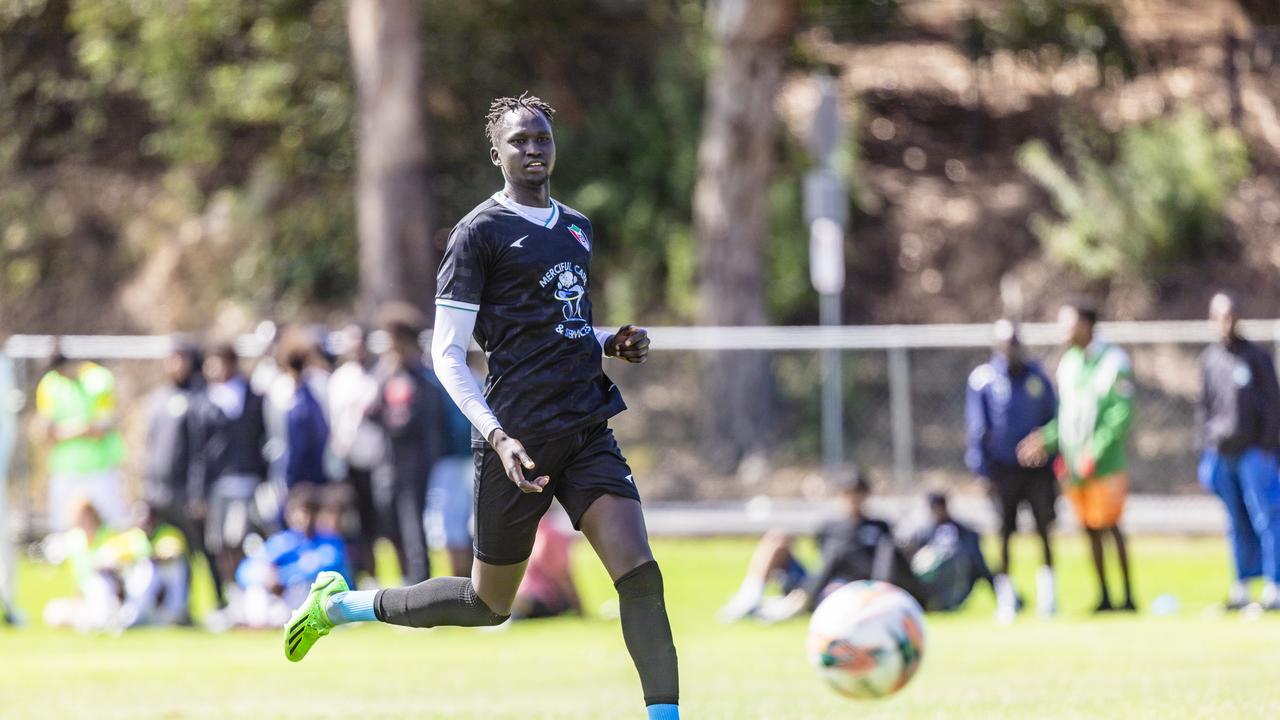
[449, 344]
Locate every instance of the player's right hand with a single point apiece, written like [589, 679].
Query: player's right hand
[515, 461]
[1032, 451]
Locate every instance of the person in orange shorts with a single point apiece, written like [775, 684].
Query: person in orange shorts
[1095, 411]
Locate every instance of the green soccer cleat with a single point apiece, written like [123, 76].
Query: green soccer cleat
[310, 622]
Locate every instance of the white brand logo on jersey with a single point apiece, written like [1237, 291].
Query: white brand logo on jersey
[517, 243]
[631, 480]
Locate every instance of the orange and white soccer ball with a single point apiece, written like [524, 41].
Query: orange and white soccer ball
[867, 639]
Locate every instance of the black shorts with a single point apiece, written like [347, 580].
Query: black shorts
[1036, 487]
[582, 467]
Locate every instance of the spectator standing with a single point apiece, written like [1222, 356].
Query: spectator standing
[1091, 431]
[1008, 398]
[11, 402]
[228, 460]
[408, 410]
[1238, 420]
[168, 462]
[76, 406]
[451, 489]
[306, 430]
[357, 442]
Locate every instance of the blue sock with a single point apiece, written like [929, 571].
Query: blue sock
[664, 712]
[351, 606]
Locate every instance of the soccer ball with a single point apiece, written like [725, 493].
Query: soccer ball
[867, 639]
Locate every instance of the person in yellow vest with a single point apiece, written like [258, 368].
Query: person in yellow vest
[76, 410]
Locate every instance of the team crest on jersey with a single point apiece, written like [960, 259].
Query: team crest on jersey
[580, 236]
[569, 283]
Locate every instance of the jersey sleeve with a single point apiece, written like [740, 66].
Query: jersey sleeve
[460, 281]
[975, 423]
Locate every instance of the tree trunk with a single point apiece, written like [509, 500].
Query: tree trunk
[397, 257]
[731, 213]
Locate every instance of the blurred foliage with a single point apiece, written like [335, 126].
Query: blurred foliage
[627, 80]
[851, 21]
[238, 116]
[1056, 30]
[1156, 202]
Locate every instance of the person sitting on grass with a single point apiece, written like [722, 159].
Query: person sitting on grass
[98, 585]
[947, 557]
[854, 547]
[277, 572]
[155, 570]
[547, 589]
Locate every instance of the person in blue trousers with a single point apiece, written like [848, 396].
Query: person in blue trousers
[1239, 431]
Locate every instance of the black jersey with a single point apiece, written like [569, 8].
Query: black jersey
[529, 284]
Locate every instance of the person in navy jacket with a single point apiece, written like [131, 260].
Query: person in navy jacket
[1009, 397]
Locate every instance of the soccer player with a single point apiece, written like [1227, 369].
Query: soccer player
[1239, 427]
[515, 276]
[1008, 398]
[1095, 410]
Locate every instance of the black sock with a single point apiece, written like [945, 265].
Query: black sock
[438, 601]
[647, 632]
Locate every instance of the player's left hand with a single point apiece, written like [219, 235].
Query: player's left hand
[630, 343]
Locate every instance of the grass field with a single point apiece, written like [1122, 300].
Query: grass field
[1192, 664]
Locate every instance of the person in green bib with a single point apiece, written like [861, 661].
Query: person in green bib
[1090, 433]
[76, 408]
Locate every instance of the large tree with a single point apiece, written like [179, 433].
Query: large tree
[731, 211]
[397, 256]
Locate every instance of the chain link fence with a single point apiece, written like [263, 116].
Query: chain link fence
[903, 391]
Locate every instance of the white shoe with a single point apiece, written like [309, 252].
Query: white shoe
[1006, 600]
[740, 606]
[1046, 592]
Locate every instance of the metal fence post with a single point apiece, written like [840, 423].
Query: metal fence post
[832, 395]
[900, 417]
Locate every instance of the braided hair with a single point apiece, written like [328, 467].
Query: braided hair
[499, 108]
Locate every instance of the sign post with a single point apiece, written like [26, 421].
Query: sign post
[826, 210]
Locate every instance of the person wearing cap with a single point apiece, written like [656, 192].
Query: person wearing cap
[1091, 432]
[855, 546]
[1238, 428]
[1009, 397]
[76, 410]
[947, 556]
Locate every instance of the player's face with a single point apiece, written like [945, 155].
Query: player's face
[1223, 316]
[178, 367]
[1075, 329]
[851, 503]
[526, 150]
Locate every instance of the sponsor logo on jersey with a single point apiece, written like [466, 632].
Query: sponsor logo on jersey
[1035, 388]
[519, 242]
[569, 286]
[580, 236]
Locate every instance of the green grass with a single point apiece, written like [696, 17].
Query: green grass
[1188, 665]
